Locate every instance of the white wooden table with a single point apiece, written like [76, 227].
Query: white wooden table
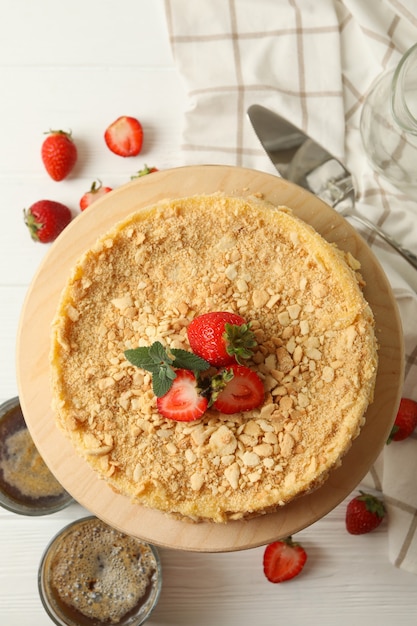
[79, 65]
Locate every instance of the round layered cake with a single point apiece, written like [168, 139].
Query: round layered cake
[144, 282]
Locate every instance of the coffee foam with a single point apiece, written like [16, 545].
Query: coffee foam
[102, 573]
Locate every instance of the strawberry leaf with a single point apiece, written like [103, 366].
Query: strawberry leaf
[240, 341]
[218, 383]
[372, 503]
[394, 431]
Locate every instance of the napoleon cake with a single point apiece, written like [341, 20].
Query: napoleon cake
[142, 284]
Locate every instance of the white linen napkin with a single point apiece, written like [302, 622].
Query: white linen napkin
[313, 62]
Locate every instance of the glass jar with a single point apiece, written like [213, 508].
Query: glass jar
[92, 574]
[389, 123]
[27, 487]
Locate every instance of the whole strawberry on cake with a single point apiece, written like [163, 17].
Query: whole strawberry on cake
[213, 357]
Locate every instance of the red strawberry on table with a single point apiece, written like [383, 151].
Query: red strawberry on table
[95, 192]
[221, 338]
[59, 154]
[144, 172]
[242, 392]
[283, 560]
[182, 402]
[124, 136]
[405, 421]
[46, 219]
[364, 513]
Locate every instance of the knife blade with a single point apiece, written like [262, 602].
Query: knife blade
[303, 161]
[300, 159]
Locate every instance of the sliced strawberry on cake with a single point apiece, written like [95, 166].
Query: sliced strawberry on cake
[183, 401]
[237, 388]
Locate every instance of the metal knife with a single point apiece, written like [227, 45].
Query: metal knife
[301, 160]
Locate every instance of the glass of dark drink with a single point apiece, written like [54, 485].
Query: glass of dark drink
[27, 486]
[92, 574]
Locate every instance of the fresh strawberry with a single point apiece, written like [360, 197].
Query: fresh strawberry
[221, 338]
[124, 136]
[405, 422]
[364, 513]
[46, 219]
[283, 560]
[241, 392]
[59, 154]
[95, 192]
[144, 172]
[182, 402]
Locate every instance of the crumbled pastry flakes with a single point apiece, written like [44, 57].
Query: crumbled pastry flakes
[145, 281]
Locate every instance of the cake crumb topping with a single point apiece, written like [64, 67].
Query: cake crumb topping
[145, 281]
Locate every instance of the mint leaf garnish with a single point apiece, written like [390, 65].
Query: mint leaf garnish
[140, 357]
[162, 381]
[158, 353]
[162, 362]
[189, 361]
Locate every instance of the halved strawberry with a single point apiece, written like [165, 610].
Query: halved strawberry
[221, 338]
[283, 560]
[182, 402]
[243, 392]
[124, 136]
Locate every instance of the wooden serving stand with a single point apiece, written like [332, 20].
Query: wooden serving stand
[33, 362]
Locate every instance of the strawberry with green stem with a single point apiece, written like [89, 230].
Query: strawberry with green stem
[405, 420]
[59, 154]
[95, 192]
[183, 401]
[236, 389]
[221, 338]
[46, 219]
[364, 513]
[144, 172]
